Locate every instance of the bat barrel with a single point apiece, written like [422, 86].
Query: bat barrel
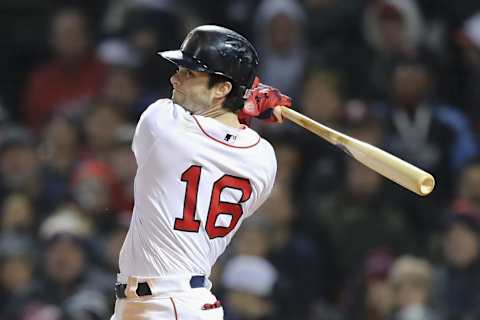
[384, 163]
[390, 166]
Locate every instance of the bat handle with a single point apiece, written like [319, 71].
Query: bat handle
[332, 136]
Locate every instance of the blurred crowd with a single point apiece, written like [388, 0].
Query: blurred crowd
[336, 241]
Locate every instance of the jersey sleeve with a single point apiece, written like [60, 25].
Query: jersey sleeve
[158, 118]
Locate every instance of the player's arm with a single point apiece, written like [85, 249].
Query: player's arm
[262, 102]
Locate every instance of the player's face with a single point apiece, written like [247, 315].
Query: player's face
[190, 90]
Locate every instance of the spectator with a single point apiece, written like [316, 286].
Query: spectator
[369, 295]
[249, 281]
[464, 68]
[393, 29]
[251, 240]
[332, 24]
[67, 268]
[117, 53]
[468, 190]
[360, 210]
[60, 143]
[281, 44]
[149, 28]
[95, 190]
[411, 280]
[67, 218]
[100, 124]
[19, 165]
[332, 31]
[18, 215]
[59, 154]
[322, 100]
[18, 286]
[119, 12]
[456, 283]
[471, 64]
[122, 90]
[238, 14]
[289, 247]
[423, 131]
[73, 75]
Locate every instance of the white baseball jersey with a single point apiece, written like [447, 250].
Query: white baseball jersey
[197, 179]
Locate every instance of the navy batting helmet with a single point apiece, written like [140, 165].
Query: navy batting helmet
[217, 50]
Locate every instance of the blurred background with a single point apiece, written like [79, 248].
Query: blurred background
[336, 241]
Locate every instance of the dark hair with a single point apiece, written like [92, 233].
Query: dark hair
[234, 100]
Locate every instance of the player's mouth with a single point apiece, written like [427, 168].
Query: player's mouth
[176, 95]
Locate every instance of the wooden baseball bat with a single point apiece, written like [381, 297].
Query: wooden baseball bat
[386, 164]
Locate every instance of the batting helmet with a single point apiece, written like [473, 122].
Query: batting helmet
[217, 50]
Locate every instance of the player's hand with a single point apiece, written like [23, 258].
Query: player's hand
[264, 103]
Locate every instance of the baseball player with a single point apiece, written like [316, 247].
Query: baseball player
[200, 173]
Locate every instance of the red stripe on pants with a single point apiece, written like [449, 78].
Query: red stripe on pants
[174, 309]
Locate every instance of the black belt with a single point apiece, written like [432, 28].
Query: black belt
[143, 289]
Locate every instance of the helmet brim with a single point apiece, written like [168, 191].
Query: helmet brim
[183, 60]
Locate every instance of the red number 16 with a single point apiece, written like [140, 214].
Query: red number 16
[188, 223]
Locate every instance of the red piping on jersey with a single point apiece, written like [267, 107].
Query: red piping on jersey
[174, 309]
[220, 141]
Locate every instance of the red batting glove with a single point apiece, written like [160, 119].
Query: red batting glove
[261, 101]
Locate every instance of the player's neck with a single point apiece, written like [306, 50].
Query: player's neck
[230, 119]
[224, 116]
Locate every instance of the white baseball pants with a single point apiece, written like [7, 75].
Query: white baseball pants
[171, 299]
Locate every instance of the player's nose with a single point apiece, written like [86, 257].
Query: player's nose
[175, 80]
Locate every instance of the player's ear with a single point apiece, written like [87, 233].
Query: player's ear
[222, 89]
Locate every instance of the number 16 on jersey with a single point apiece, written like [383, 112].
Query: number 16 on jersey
[188, 223]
